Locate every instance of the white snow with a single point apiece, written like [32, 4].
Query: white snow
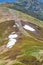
[28, 28]
[11, 43]
[12, 40]
[13, 36]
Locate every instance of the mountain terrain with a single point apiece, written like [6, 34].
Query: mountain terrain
[21, 35]
[31, 7]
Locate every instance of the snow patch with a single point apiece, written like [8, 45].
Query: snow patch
[13, 36]
[27, 27]
[12, 40]
[11, 43]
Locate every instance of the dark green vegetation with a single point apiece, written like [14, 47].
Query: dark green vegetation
[28, 49]
[30, 7]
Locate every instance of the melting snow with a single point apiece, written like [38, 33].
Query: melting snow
[28, 28]
[12, 40]
[13, 36]
[11, 43]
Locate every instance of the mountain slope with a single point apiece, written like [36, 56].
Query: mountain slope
[21, 37]
[31, 7]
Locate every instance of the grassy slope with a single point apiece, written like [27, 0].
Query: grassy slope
[26, 48]
[29, 18]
